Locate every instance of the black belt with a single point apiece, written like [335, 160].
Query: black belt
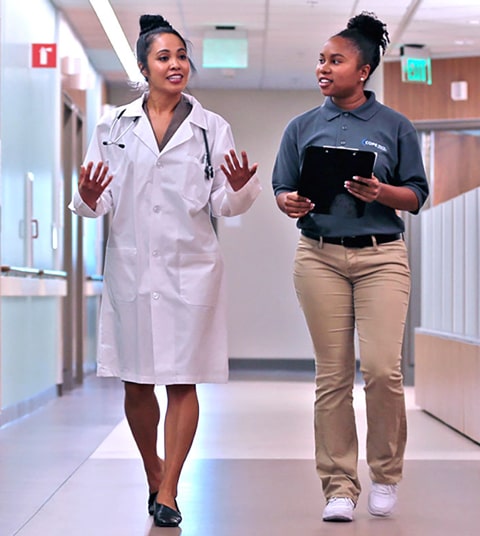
[362, 241]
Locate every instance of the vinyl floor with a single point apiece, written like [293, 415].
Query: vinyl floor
[71, 468]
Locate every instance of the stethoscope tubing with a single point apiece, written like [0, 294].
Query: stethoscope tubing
[116, 141]
[209, 171]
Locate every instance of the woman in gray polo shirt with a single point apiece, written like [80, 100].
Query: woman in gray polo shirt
[352, 270]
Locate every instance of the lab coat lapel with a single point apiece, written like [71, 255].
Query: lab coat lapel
[144, 132]
[185, 131]
[142, 129]
[182, 135]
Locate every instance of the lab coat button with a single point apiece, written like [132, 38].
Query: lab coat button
[156, 209]
[155, 253]
[159, 163]
[155, 295]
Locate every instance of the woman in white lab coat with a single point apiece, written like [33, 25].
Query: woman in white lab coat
[162, 166]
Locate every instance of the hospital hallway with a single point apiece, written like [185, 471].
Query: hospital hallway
[71, 468]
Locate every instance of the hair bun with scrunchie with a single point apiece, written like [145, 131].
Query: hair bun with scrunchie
[153, 22]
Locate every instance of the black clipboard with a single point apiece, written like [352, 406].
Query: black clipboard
[324, 171]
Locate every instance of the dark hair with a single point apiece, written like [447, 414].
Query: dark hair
[368, 35]
[150, 27]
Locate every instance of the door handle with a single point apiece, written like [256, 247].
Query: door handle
[34, 228]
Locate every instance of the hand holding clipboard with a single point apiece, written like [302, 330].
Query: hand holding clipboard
[324, 172]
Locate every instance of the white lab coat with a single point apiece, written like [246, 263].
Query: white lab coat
[163, 313]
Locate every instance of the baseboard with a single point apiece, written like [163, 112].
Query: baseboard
[265, 364]
[25, 407]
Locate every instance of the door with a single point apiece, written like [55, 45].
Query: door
[74, 305]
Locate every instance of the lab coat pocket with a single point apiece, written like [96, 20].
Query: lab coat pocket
[120, 279]
[195, 185]
[200, 278]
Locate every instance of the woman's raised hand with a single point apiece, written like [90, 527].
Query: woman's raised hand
[238, 174]
[92, 184]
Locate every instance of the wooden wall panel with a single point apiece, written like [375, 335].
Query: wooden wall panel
[456, 172]
[78, 97]
[422, 102]
[454, 162]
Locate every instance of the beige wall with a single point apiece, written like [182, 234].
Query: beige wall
[265, 320]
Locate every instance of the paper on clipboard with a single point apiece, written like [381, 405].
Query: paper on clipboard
[324, 171]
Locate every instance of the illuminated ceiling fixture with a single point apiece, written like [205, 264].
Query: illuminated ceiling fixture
[117, 38]
[225, 48]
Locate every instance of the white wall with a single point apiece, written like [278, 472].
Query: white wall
[265, 320]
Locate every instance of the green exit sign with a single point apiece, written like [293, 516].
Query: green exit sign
[416, 65]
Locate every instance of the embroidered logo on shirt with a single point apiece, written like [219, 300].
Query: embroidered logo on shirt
[369, 143]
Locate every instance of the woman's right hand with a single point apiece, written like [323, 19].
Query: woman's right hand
[294, 205]
[91, 185]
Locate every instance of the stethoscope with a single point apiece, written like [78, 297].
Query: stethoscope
[116, 141]
[208, 170]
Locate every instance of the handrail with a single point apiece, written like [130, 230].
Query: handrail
[54, 273]
[39, 272]
[20, 271]
[447, 124]
[95, 277]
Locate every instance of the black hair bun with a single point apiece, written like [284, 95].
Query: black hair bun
[369, 25]
[153, 22]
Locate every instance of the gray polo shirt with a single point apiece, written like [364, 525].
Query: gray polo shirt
[372, 126]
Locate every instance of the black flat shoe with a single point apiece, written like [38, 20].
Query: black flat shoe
[151, 503]
[164, 516]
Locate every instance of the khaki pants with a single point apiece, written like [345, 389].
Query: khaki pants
[339, 288]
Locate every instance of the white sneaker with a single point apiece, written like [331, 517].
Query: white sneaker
[339, 509]
[382, 499]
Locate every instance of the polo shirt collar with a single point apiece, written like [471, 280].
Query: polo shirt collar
[364, 112]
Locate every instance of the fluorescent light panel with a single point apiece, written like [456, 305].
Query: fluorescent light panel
[225, 49]
[117, 38]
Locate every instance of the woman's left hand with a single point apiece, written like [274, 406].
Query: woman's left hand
[238, 174]
[366, 189]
